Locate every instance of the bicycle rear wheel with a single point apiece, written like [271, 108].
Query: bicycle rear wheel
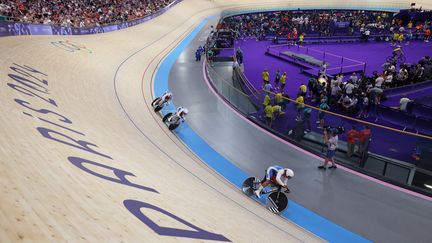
[249, 185]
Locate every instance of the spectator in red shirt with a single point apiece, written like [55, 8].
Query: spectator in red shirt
[427, 34]
[352, 138]
[364, 139]
[20, 6]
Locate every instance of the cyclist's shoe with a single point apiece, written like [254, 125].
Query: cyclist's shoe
[257, 193]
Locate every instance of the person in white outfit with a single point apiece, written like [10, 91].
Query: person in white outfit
[167, 96]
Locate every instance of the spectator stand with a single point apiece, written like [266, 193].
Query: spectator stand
[11, 26]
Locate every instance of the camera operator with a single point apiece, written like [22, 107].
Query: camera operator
[331, 140]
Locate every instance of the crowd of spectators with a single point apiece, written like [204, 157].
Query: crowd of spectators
[79, 13]
[355, 95]
[296, 25]
[311, 22]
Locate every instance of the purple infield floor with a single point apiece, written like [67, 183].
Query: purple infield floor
[373, 53]
[388, 143]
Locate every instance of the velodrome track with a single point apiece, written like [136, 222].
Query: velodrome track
[81, 152]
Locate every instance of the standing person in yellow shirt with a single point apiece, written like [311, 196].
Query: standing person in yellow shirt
[400, 38]
[278, 98]
[265, 77]
[266, 101]
[268, 111]
[303, 90]
[282, 81]
[410, 25]
[301, 38]
[395, 38]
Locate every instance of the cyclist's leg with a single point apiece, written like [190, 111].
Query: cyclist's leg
[265, 183]
[268, 177]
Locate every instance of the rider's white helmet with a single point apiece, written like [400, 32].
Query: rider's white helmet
[168, 95]
[185, 111]
[182, 111]
[289, 173]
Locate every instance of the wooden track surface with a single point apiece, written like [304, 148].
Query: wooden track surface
[102, 94]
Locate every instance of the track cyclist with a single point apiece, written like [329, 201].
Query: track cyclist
[166, 97]
[276, 175]
[181, 113]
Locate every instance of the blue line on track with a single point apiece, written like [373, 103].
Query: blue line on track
[298, 214]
